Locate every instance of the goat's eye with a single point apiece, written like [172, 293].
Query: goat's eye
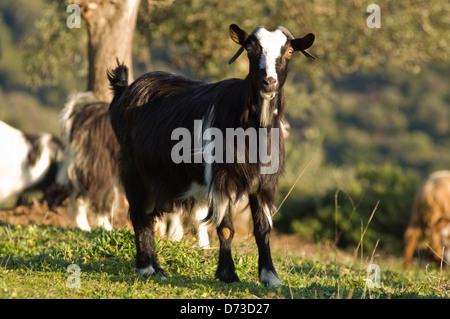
[290, 51]
[249, 49]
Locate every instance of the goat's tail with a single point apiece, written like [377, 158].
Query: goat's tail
[118, 78]
[73, 106]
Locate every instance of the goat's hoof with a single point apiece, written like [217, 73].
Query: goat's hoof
[269, 278]
[150, 270]
[227, 276]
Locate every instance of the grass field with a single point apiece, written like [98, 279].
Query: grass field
[34, 262]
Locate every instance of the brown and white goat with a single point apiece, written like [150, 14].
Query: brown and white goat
[429, 226]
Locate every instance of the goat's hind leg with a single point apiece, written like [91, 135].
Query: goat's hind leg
[144, 229]
[143, 221]
[262, 226]
[226, 271]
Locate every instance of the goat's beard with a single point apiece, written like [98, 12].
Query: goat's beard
[266, 113]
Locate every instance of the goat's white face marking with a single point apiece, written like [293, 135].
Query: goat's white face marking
[271, 44]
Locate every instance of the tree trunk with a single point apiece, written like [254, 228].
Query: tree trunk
[111, 25]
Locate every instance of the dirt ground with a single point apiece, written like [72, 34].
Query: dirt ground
[40, 214]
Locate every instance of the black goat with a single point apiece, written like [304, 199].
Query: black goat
[149, 115]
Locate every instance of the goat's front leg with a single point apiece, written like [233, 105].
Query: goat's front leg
[262, 226]
[412, 235]
[226, 271]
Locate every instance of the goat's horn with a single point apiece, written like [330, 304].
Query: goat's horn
[308, 55]
[286, 31]
[238, 53]
[289, 34]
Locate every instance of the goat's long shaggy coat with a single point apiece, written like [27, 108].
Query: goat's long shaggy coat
[148, 115]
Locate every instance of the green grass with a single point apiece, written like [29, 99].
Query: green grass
[34, 261]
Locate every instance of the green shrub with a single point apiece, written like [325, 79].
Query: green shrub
[341, 215]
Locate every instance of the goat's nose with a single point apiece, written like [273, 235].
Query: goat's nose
[269, 83]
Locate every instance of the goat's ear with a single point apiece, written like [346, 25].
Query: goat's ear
[301, 44]
[238, 35]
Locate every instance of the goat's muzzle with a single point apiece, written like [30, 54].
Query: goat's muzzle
[269, 84]
[268, 88]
